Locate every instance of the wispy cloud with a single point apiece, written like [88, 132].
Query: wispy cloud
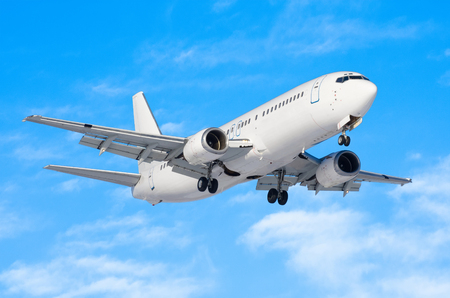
[100, 276]
[293, 34]
[222, 5]
[445, 79]
[27, 152]
[171, 128]
[82, 265]
[113, 232]
[12, 223]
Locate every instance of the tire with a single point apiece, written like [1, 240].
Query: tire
[214, 186]
[347, 141]
[202, 184]
[282, 200]
[341, 140]
[272, 195]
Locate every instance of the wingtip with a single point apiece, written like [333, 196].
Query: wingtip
[29, 117]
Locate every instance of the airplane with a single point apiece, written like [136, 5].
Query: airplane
[267, 144]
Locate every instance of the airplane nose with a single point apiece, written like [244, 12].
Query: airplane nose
[370, 91]
[364, 94]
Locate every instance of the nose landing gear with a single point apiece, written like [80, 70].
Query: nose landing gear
[344, 139]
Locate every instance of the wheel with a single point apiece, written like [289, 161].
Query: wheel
[347, 141]
[272, 195]
[282, 200]
[202, 184]
[341, 140]
[212, 188]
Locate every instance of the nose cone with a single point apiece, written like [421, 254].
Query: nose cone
[361, 93]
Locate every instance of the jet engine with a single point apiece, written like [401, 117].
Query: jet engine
[205, 146]
[338, 168]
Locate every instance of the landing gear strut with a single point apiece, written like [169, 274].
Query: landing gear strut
[344, 139]
[277, 194]
[207, 182]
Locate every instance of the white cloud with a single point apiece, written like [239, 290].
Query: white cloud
[100, 276]
[345, 253]
[222, 5]
[76, 271]
[121, 232]
[69, 185]
[171, 128]
[445, 79]
[293, 34]
[337, 249]
[12, 223]
[30, 153]
[108, 90]
[414, 156]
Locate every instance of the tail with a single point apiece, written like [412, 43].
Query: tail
[144, 121]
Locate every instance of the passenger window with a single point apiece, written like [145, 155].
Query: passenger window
[302, 94]
[245, 123]
[239, 125]
[256, 117]
[294, 97]
[275, 108]
[249, 121]
[279, 105]
[283, 103]
[289, 101]
[263, 114]
[228, 131]
[267, 111]
[271, 110]
[298, 95]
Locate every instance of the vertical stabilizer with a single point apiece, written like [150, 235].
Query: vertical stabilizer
[144, 121]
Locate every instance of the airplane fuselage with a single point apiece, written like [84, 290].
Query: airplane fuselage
[279, 130]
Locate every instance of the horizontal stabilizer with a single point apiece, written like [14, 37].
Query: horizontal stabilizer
[127, 179]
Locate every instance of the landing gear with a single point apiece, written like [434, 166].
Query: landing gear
[277, 194]
[207, 182]
[283, 197]
[272, 195]
[202, 184]
[344, 139]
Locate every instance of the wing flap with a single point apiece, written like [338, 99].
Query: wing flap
[127, 179]
[129, 151]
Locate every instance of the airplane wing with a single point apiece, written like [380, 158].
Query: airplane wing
[127, 179]
[303, 171]
[136, 145]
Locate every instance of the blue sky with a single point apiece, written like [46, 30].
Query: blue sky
[201, 64]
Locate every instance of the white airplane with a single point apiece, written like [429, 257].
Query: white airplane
[267, 143]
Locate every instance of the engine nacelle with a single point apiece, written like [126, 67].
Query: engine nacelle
[338, 168]
[205, 146]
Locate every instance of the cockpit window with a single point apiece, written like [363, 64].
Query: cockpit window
[346, 78]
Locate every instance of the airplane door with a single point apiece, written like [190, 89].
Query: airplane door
[315, 91]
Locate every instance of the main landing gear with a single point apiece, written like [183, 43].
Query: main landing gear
[277, 194]
[207, 182]
[344, 139]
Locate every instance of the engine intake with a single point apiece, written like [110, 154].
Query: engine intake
[338, 168]
[205, 146]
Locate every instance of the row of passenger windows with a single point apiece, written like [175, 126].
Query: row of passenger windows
[346, 78]
[274, 108]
